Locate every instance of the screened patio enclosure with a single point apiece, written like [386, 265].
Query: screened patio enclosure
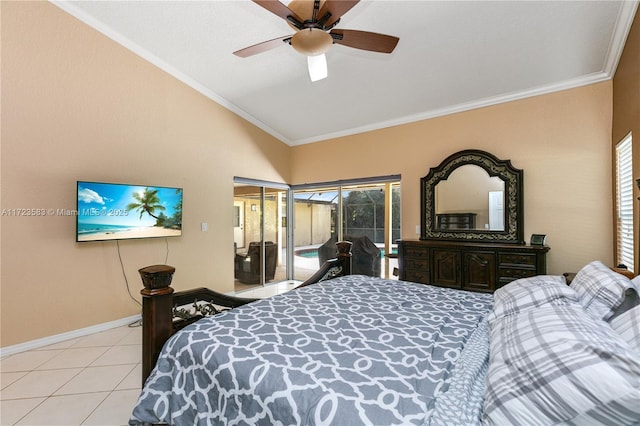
[303, 218]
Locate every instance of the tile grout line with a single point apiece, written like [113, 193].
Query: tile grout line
[81, 369]
[28, 412]
[46, 397]
[95, 408]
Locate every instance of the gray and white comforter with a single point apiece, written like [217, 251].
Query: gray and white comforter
[352, 350]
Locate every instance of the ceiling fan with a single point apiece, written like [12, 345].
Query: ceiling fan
[315, 34]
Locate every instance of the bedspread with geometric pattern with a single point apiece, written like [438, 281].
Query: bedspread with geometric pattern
[348, 351]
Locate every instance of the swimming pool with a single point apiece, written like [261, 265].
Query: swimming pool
[313, 252]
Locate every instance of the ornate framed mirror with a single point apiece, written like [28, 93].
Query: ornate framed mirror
[473, 196]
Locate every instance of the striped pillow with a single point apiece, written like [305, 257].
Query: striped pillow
[556, 364]
[600, 289]
[527, 293]
[627, 325]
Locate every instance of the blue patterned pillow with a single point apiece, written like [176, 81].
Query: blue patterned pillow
[600, 290]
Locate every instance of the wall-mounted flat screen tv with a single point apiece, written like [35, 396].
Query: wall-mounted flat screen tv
[113, 211]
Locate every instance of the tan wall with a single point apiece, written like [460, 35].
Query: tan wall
[626, 112]
[561, 140]
[78, 106]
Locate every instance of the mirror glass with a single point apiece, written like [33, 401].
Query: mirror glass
[470, 199]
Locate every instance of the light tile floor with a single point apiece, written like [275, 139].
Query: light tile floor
[91, 380]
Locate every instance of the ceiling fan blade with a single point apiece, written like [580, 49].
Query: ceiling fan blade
[261, 47]
[337, 8]
[277, 8]
[365, 40]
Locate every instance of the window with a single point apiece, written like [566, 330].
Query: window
[624, 203]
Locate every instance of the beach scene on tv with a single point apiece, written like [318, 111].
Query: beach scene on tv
[108, 211]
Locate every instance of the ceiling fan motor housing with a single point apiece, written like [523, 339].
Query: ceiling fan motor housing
[311, 42]
[314, 21]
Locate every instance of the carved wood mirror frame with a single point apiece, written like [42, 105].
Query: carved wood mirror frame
[513, 232]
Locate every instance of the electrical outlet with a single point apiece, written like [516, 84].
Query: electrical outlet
[204, 226]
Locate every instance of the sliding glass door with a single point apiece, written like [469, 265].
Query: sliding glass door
[316, 221]
[366, 210]
[270, 247]
[373, 211]
[259, 232]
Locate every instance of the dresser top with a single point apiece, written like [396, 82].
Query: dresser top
[486, 245]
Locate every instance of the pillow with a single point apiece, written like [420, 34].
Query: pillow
[556, 364]
[527, 293]
[627, 325]
[631, 300]
[600, 289]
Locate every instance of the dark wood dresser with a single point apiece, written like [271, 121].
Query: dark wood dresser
[468, 266]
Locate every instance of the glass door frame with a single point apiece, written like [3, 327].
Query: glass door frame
[289, 224]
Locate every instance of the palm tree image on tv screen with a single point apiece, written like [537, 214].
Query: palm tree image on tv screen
[108, 211]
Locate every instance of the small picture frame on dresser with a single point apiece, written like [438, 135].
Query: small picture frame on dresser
[538, 239]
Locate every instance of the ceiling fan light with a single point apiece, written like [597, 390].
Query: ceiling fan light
[317, 67]
[311, 42]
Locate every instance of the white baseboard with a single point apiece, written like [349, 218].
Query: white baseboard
[57, 338]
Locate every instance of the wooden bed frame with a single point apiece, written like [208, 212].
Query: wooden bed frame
[161, 304]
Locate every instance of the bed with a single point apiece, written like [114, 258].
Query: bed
[356, 350]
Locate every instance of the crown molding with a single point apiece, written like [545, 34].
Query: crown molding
[467, 106]
[624, 21]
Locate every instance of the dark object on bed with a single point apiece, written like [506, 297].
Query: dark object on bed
[248, 266]
[366, 255]
[160, 302]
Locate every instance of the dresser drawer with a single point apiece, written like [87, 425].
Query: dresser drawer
[470, 266]
[512, 274]
[416, 252]
[517, 259]
[415, 263]
[416, 276]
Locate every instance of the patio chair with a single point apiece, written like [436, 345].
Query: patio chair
[248, 266]
[365, 258]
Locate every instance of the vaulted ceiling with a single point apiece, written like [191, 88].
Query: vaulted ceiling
[452, 56]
